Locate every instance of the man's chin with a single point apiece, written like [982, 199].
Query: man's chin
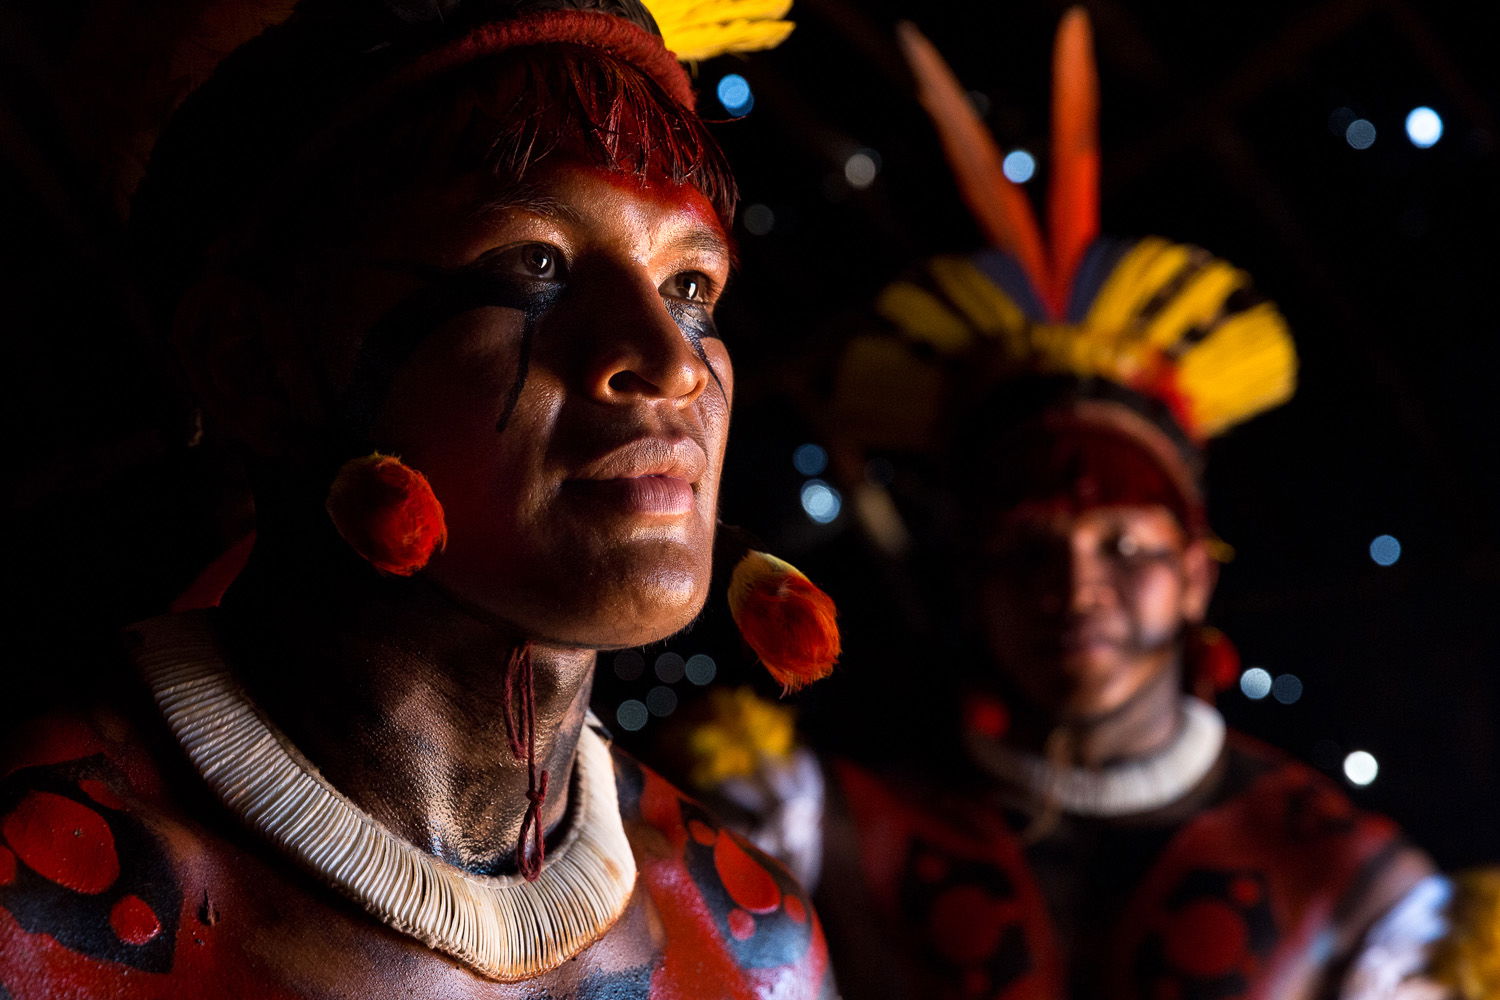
[637, 615]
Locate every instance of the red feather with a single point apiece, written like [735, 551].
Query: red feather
[789, 623]
[1073, 198]
[999, 206]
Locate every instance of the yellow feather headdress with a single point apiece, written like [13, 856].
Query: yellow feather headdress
[694, 30]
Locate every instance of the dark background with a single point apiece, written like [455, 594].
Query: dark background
[1220, 126]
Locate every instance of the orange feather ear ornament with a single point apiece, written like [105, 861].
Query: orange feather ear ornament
[1213, 664]
[387, 512]
[789, 623]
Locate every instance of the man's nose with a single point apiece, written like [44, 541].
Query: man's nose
[641, 352]
[1088, 580]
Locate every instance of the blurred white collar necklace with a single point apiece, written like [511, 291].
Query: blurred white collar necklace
[1132, 786]
[503, 927]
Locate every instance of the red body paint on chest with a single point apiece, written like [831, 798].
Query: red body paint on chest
[64, 841]
[134, 921]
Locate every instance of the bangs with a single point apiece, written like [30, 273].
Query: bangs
[574, 101]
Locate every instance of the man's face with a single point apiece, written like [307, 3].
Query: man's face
[573, 421]
[1082, 609]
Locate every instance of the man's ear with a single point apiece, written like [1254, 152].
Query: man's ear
[1200, 573]
[235, 346]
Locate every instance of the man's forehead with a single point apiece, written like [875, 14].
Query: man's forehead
[553, 192]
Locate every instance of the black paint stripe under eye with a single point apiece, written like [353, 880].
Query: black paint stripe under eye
[695, 323]
[397, 335]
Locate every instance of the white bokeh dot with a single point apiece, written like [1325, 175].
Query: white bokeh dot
[1255, 683]
[861, 167]
[1361, 767]
[821, 502]
[1424, 127]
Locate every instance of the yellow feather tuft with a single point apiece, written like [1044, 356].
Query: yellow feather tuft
[987, 309]
[922, 317]
[742, 732]
[1246, 366]
[694, 30]
[1468, 958]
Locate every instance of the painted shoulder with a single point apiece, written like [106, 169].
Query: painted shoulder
[731, 915]
[90, 898]
[1266, 885]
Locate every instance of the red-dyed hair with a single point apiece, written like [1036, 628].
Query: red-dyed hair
[295, 137]
[527, 105]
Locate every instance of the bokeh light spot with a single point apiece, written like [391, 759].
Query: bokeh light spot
[701, 669]
[734, 93]
[861, 167]
[1255, 683]
[1360, 134]
[820, 501]
[810, 459]
[629, 665]
[661, 701]
[1424, 127]
[631, 715]
[669, 668]
[1361, 767]
[1019, 166]
[758, 219]
[1287, 689]
[1385, 550]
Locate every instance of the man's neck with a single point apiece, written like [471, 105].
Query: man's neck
[398, 696]
[1144, 724]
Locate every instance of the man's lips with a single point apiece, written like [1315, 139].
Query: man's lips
[654, 495]
[650, 475]
[1083, 637]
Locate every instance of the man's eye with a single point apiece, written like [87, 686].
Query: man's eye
[1127, 546]
[690, 286]
[534, 260]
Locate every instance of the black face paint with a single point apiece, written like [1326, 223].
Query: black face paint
[696, 322]
[451, 293]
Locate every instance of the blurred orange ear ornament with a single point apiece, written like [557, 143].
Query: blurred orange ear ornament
[789, 623]
[387, 512]
[1212, 661]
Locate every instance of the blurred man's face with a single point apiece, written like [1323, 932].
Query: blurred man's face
[570, 401]
[1082, 609]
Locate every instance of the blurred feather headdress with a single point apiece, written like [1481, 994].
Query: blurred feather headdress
[1148, 325]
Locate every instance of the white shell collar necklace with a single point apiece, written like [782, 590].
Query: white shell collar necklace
[503, 927]
[1133, 786]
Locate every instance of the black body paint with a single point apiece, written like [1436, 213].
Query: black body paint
[80, 921]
